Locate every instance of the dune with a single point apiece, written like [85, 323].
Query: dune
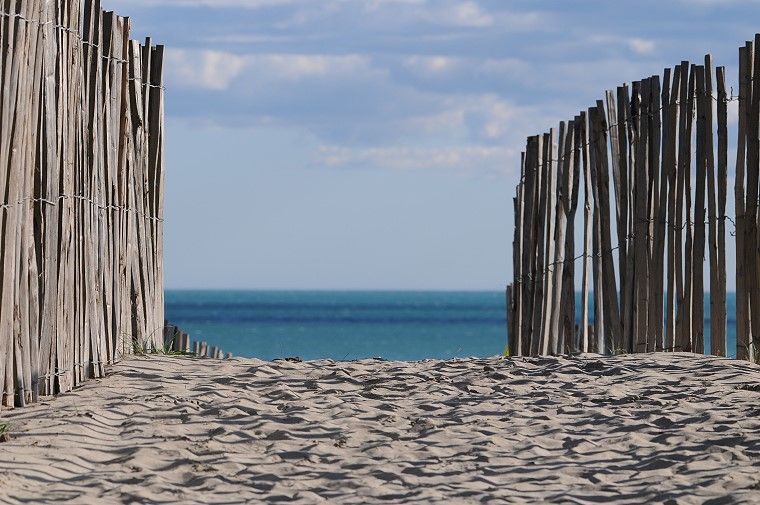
[674, 428]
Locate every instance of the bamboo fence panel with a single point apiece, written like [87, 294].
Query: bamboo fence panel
[81, 235]
[666, 149]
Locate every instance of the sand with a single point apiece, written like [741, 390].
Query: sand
[668, 428]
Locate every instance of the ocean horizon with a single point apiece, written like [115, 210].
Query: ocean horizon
[350, 325]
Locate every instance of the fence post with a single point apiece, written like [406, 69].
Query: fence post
[551, 222]
[718, 325]
[711, 207]
[698, 290]
[530, 225]
[742, 291]
[670, 171]
[587, 231]
[639, 113]
[538, 279]
[751, 202]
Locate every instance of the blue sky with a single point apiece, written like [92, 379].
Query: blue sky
[374, 144]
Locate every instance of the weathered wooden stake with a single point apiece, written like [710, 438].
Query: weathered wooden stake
[587, 231]
[718, 292]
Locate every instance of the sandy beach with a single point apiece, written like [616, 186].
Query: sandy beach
[667, 428]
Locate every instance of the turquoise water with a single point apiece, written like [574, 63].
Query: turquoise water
[730, 324]
[352, 325]
[343, 325]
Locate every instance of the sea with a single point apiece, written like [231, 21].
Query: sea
[350, 325]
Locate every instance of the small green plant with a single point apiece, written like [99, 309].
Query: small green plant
[618, 351]
[5, 431]
[146, 348]
[141, 348]
[167, 349]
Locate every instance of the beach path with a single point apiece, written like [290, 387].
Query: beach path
[674, 428]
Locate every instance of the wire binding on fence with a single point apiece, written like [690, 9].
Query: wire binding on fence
[593, 142]
[38, 22]
[549, 267]
[94, 203]
[63, 28]
[149, 85]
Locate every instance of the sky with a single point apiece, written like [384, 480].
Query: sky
[375, 144]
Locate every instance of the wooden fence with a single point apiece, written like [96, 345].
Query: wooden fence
[81, 174]
[177, 341]
[664, 141]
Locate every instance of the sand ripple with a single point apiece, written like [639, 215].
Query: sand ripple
[667, 428]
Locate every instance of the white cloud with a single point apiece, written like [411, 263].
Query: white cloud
[299, 66]
[469, 14]
[216, 70]
[453, 13]
[497, 121]
[642, 46]
[505, 66]
[260, 4]
[638, 45]
[377, 4]
[483, 118]
[213, 70]
[246, 4]
[430, 64]
[414, 158]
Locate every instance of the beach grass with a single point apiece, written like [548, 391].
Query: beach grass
[142, 349]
